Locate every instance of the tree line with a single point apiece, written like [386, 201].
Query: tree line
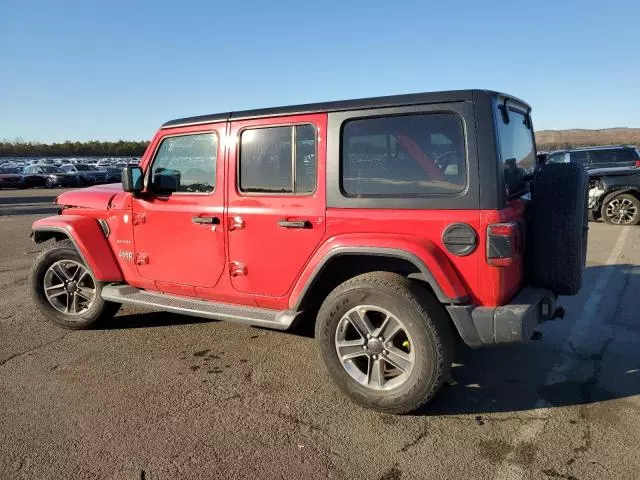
[121, 148]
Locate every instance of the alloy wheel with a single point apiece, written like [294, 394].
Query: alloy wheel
[374, 347]
[69, 287]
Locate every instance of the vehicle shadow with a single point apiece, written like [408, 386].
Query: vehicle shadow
[27, 210]
[515, 378]
[151, 320]
[27, 200]
[507, 378]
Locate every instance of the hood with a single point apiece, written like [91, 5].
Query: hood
[98, 197]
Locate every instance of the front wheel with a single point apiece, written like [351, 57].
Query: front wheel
[385, 341]
[623, 209]
[49, 183]
[65, 291]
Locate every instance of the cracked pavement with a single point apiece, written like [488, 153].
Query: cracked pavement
[162, 396]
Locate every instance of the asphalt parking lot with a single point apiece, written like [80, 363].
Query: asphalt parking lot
[162, 396]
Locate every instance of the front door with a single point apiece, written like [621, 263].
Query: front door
[276, 209]
[177, 234]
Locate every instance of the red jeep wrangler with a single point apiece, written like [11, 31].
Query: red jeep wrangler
[395, 223]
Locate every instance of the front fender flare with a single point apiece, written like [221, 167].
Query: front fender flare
[434, 266]
[89, 240]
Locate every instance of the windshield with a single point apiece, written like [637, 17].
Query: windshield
[85, 168]
[516, 149]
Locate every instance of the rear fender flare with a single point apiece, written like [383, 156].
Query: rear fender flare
[89, 240]
[433, 265]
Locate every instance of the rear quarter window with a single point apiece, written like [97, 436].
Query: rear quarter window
[403, 155]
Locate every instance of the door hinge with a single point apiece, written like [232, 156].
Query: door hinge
[139, 218]
[237, 269]
[142, 258]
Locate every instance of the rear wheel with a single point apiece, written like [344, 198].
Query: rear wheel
[65, 290]
[49, 183]
[385, 341]
[623, 209]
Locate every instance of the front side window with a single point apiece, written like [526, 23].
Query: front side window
[516, 149]
[187, 163]
[278, 160]
[558, 158]
[404, 155]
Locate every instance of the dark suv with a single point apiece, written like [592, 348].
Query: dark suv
[599, 157]
[394, 224]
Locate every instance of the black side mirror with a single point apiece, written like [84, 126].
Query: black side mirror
[166, 182]
[132, 179]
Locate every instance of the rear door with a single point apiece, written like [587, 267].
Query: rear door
[276, 201]
[178, 235]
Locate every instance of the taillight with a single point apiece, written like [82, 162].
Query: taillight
[638, 163]
[503, 243]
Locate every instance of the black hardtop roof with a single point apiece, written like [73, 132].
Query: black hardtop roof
[342, 105]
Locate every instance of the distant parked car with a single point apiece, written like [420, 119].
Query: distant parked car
[599, 157]
[10, 180]
[614, 195]
[114, 174]
[49, 176]
[89, 174]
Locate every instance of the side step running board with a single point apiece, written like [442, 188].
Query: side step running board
[261, 317]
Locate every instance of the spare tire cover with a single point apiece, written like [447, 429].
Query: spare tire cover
[557, 228]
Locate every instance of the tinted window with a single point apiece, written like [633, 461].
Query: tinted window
[278, 159]
[580, 157]
[190, 160]
[46, 169]
[613, 155]
[517, 152]
[83, 168]
[558, 158]
[404, 155]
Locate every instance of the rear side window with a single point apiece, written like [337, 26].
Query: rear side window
[278, 160]
[407, 155]
[581, 157]
[190, 160]
[517, 152]
[613, 155]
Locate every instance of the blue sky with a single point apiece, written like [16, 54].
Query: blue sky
[116, 69]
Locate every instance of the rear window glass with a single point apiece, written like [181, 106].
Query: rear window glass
[517, 152]
[613, 155]
[406, 155]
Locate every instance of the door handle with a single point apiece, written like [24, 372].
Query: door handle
[206, 220]
[294, 223]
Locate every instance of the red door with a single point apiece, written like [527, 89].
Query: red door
[178, 236]
[276, 200]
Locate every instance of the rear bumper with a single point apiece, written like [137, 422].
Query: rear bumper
[511, 323]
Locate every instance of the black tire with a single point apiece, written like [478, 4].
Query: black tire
[49, 183]
[630, 200]
[99, 310]
[426, 322]
[593, 216]
[557, 228]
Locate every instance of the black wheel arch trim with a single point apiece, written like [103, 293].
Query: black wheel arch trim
[614, 192]
[37, 236]
[425, 274]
